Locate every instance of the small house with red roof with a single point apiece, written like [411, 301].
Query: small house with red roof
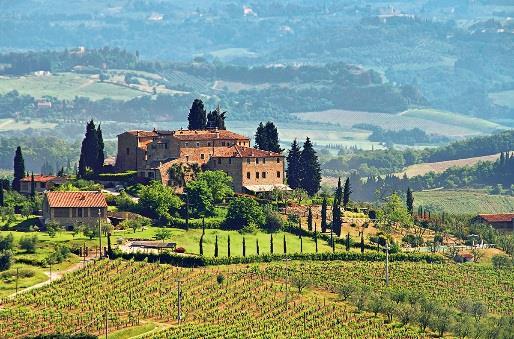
[500, 221]
[71, 208]
[41, 183]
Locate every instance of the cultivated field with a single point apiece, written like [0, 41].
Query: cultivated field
[441, 166]
[464, 202]
[67, 86]
[250, 301]
[432, 121]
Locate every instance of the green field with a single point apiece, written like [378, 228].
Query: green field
[67, 86]
[464, 202]
[13, 125]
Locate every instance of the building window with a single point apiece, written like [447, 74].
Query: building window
[202, 156]
[186, 144]
[256, 175]
[247, 175]
[278, 160]
[264, 175]
[79, 212]
[187, 158]
[278, 174]
[263, 160]
[256, 160]
[128, 150]
[166, 146]
[230, 160]
[247, 160]
[223, 143]
[150, 174]
[209, 144]
[197, 144]
[219, 160]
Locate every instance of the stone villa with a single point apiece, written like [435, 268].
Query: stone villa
[153, 153]
[70, 208]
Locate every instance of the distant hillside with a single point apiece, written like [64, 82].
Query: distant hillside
[464, 202]
[441, 166]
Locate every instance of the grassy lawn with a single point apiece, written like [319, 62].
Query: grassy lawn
[190, 240]
[464, 202]
[29, 276]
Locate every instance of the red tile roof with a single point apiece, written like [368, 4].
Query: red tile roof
[76, 199]
[242, 152]
[210, 134]
[40, 178]
[143, 133]
[505, 217]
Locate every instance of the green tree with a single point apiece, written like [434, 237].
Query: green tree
[162, 234]
[29, 243]
[201, 244]
[200, 198]
[19, 169]
[244, 247]
[6, 260]
[271, 243]
[101, 153]
[2, 197]
[7, 242]
[243, 211]
[346, 193]
[228, 246]
[338, 196]
[337, 221]
[310, 171]
[324, 215]
[158, 201]
[266, 137]
[394, 214]
[410, 201]
[347, 243]
[257, 246]
[294, 166]
[219, 184]
[216, 119]
[216, 249]
[88, 162]
[197, 116]
[309, 219]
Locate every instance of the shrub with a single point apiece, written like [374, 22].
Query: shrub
[6, 243]
[501, 261]
[6, 260]
[29, 243]
[273, 223]
[60, 254]
[242, 211]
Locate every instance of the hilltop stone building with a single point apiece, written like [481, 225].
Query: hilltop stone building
[154, 153]
[42, 183]
[71, 208]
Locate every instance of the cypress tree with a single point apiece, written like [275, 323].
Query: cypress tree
[2, 195]
[19, 169]
[338, 196]
[101, 154]
[309, 219]
[316, 241]
[260, 138]
[301, 244]
[346, 193]
[32, 186]
[89, 151]
[228, 246]
[310, 171]
[285, 245]
[216, 247]
[324, 215]
[201, 244]
[266, 137]
[336, 218]
[362, 243]
[244, 247]
[410, 201]
[271, 244]
[294, 165]
[348, 241]
[257, 246]
[197, 116]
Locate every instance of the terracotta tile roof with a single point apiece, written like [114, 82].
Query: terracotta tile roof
[40, 178]
[76, 199]
[142, 133]
[505, 217]
[243, 152]
[210, 134]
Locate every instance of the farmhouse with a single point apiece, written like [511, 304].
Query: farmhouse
[154, 154]
[41, 183]
[71, 208]
[503, 221]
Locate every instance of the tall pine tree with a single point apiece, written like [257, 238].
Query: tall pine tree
[336, 218]
[339, 192]
[294, 166]
[260, 138]
[89, 151]
[32, 186]
[324, 215]
[309, 220]
[346, 193]
[197, 116]
[19, 169]
[266, 137]
[310, 171]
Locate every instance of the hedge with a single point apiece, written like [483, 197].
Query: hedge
[198, 261]
[210, 223]
[124, 176]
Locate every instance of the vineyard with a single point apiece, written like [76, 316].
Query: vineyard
[257, 300]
